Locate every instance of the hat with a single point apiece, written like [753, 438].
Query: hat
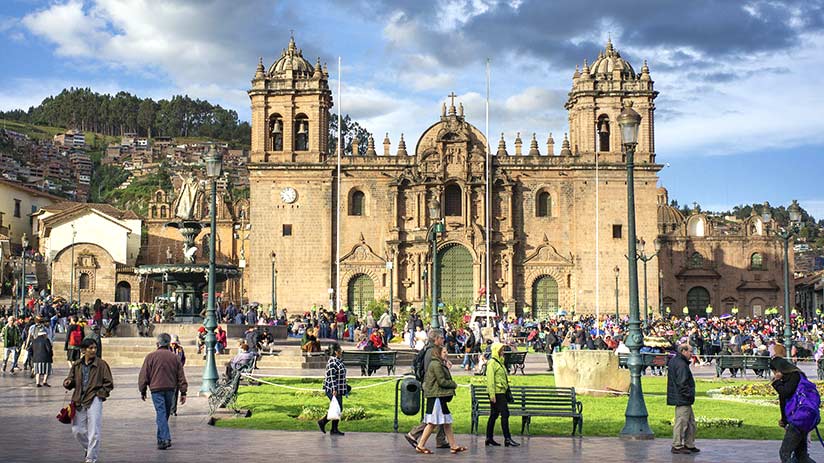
[41, 332]
[176, 339]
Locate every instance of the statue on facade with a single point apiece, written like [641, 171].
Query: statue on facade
[188, 198]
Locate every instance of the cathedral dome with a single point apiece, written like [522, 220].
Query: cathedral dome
[609, 61]
[669, 218]
[292, 59]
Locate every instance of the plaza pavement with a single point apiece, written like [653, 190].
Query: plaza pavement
[29, 432]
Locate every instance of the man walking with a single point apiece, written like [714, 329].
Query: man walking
[12, 340]
[91, 379]
[162, 373]
[681, 394]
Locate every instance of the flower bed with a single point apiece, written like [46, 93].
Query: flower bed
[704, 422]
[759, 389]
[314, 413]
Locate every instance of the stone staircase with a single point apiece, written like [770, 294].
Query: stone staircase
[130, 352]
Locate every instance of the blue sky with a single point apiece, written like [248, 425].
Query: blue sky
[738, 119]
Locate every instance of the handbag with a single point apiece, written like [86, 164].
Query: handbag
[509, 398]
[67, 413]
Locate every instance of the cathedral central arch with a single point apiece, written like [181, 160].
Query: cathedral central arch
[455, 276]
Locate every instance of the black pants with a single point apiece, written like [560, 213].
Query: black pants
[500, 407]
[795, 442]
[340, 404]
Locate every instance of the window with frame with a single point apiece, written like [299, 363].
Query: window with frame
[757, 261]
[17, 208]
[544, 205]
[452, 199]
[287, 229]
[356, 203]
[617, 232]
[696, 260]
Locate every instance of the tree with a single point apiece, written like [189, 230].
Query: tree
[146, 114]
[349, 130]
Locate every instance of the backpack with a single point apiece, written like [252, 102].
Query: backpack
[802, 408]
[76, 336]
[418, 364]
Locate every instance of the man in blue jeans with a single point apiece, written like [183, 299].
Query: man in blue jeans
[162, 373]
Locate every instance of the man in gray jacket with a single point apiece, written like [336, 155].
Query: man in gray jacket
[162, 374]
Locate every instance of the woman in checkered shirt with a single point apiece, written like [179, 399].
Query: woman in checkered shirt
[334, 385]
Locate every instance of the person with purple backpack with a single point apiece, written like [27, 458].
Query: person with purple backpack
[799, 401]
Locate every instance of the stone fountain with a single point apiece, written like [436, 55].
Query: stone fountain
[189, 279]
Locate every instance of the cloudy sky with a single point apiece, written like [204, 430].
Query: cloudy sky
[739, 115]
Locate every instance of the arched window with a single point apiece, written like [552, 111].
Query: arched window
[356, 203]
[154, 212]
[544, 205]
[301, 133]
[697, 227]
[756, 261]
[163, 212]
[452, 200]
[84, 281]
[696, 260]
[159, 196]
[603, 133]
[276, 132]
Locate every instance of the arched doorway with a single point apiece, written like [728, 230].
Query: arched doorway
[360, 293]
[123, 292]
[455, 276]
[698, 298]
[544, 297]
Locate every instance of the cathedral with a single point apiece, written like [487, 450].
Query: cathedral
[544, 213]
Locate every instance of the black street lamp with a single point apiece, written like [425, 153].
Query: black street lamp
[389, 267]
[435, 230]
[785, 234]
[645, 258]
[24, 240]
[274, 309]
[214, 168]
[617, 315]
[636, 425]
[71, 277]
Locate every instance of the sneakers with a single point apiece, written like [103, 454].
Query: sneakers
[164, 444]
[693, 449]
[681, 450]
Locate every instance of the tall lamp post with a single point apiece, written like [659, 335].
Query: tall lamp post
[214, 168]
[274, 309]
[645, 258]
[617, 272]
[785, 234]
[389, 266]
[71, 277]
[24, 240]
[636, 425]
[435, 230]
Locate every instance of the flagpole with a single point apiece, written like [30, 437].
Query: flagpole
[488, 207]
[337, 212]
[597, 241]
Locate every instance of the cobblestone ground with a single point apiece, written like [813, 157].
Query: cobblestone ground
[29, 432]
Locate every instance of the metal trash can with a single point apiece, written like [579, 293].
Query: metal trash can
[410, 396]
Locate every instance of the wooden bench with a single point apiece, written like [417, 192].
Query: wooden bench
[734, 363]
[514, 361]
[532, 401]
[369, 362]
[760, 365]
[651, 359]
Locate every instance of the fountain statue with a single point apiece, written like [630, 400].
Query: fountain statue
[188, 279]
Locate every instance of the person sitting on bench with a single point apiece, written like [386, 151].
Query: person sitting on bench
[243, 359]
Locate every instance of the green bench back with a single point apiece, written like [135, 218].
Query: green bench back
[536, 399]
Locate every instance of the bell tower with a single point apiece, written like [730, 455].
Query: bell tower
[596, 100]
[290, 109]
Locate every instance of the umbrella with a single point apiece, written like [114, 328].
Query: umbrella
[726, 316]
[562, 312]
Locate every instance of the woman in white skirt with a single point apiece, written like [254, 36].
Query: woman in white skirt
[438, 388]
[42, 358]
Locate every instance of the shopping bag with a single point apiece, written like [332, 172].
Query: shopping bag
[334, 410]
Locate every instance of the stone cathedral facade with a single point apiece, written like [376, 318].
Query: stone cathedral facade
[543, 204]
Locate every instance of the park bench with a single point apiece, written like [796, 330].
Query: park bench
[224, 394]
[514, 361]
[369, 362]
[650, 359]
[760, 365]
[734, 363]
[532, 401]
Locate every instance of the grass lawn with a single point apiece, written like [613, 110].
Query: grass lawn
[276, 408]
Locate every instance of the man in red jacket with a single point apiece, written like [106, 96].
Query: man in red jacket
[162, 373]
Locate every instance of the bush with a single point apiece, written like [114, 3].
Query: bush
[759, 389]
[314, 413]
[704, 422]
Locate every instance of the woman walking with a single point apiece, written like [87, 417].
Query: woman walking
[497, 383]
[438, 388]
[334, 385]
[42, 358]
[786, 378]
[74, 336]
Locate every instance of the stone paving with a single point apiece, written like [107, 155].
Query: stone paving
[30, 433]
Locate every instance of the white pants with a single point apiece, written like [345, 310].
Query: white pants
[86, 428]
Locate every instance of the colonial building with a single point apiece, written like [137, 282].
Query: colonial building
[719, 262]
[93, 247]
[543, 208]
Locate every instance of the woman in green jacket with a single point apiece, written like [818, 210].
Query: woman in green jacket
[438, 388]
[497, 382]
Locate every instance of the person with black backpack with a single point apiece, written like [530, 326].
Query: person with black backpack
[419, 367]
[799, 402]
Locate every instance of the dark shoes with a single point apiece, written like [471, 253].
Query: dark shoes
[492, 443]
[681, 451]
[444, 446]
[322, 425]
[335, 432]
[693, 449]
[511, 443]
[164, 444]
